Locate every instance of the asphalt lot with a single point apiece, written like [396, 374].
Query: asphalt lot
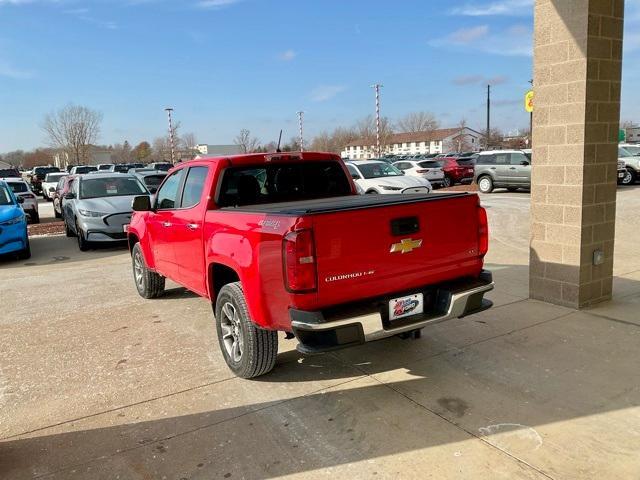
[96, 382]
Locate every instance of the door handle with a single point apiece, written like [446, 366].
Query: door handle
[493, 168]
[512, 168]
[166, 224]
[192, 226]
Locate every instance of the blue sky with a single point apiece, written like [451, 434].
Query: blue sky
[231, 64]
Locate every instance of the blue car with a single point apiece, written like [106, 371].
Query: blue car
[13, 225]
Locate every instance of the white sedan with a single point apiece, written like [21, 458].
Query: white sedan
[374, 176]
[29, 200]
[429, 169]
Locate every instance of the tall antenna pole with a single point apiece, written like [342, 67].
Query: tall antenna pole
[488, 114]
[171, 140]
[300, 121]
[377, 89]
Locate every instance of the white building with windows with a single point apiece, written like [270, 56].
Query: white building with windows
[212, 150]
[437, 141]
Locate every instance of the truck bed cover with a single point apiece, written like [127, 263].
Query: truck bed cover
[344, 203]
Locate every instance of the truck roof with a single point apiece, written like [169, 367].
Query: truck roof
[253, 158]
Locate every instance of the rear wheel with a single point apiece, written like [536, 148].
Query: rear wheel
[629, 177]
[485, 184]
[372, 192]
[149, 284]
[248, 350]
[446, 183]
[56, 214]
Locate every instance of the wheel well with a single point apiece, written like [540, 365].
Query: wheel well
[219, 276]
[132, 240]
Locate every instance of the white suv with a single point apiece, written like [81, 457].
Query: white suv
[630, 155]
[21, 189]
[429, 169]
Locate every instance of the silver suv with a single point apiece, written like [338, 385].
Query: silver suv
[630, 155]
[510, 169]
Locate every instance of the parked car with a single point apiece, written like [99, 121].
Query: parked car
[510, 169]
[456, 170]
[63, 187]
[375, 176]
[97, 207]
[10, 173]
[118, 168]
[151, 179]
[28, 199]
[162, 166]
[630, 155]
[82, 169]
[429, 169]
[282, 242]
[49, 184]
[38, 175]
[14, 238]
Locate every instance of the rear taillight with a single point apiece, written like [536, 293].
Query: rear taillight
[298, 251]
[483, 232]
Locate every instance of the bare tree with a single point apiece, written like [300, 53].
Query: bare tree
[73, 129]
[334, 141]
[418, 122]
[366, 129]
[189, 141]
[246, 142]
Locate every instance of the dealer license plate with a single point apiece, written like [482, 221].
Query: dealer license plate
[125, 228]
[406, 306]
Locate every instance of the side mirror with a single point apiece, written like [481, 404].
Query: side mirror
[69, 196]
[141, 203]
[52, 189]
[524, 163]
[20, 200]
[355, 176]
[153, 190]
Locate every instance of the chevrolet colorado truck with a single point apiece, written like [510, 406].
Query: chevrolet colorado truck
[283, 242]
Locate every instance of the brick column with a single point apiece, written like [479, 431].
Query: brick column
[577, 72]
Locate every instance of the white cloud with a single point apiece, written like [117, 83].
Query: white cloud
[326, 92]
[287, 55]
[514, 41]
[501, 7]
[9, 71]
[216, 4]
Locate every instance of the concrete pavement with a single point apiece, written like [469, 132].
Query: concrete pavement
[97, 383]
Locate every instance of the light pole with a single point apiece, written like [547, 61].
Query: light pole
[488, 115]
[169, 110]
[376, 87]
[300, 121]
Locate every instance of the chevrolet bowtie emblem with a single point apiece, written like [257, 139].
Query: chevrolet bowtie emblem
[406, 245]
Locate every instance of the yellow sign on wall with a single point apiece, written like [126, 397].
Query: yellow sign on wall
[528, 101]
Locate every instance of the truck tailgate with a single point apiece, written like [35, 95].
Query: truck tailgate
[375, 251]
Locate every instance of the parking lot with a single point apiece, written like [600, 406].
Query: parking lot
[96, 382]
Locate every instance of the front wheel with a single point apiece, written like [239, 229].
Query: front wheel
[446, 183]
[35, 217]
[629, 177]
[149, 284]
[248, 350]
[26, 253]
[83, 243]
[485, 184]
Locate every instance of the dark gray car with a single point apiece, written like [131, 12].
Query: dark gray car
[510, 169]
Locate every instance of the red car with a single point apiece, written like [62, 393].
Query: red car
[63, 187]
[282, 242]
[456, 170]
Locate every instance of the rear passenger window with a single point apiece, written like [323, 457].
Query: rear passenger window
[193, 186]
[502, 158]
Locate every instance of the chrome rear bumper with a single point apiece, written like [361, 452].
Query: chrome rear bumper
[353, 324]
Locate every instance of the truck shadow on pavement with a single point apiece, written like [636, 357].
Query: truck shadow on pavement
[512, 376]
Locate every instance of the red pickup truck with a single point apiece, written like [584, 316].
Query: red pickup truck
[283, 242]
